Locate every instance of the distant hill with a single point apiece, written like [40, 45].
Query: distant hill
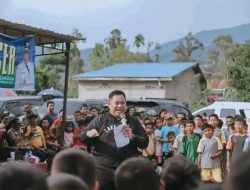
[239, 34]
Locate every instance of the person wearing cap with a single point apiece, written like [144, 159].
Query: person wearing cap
[152, 115]
[169, 127]
[141, 116]
[25, 72]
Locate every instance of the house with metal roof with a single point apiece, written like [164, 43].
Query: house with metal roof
[169, 80]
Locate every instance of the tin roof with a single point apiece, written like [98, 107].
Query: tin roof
[138, 70]
[42, 36]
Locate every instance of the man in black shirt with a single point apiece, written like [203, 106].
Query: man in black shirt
[107, 153]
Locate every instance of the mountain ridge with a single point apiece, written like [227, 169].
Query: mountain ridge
[239, 33]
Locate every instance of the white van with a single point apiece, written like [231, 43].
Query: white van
[224, 109]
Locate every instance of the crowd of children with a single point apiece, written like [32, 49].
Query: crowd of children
[207, 142]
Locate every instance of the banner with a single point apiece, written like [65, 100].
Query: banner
[17, 63]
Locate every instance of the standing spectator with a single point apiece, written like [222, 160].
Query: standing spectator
[84, 111]
[58, 120]
[214, 121]
[171, 138]
[27, 112]
[94, 111]
[199, 122]
[190, 142]
[236, 141]
[51, 111]
[178, 143]
[141, 116]
[163, 114]
[107, 154]
[229, 130]
[152, 115]
[158, 143]
[229, 126]
[170, 121]
[77, 118]
[210, 150]
[150, 150]
[131, 110]
[180, 117]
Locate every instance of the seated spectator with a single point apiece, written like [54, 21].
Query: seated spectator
[68, 134]
[65, 181]
[239, 174]
[179, 173]
[136, 173]
[5, 119]
[50, 138]
[35, 135]
[16, 137]
[21, 177]
[78, 163]
[77, 143]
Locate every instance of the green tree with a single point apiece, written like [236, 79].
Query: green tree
[99, 57]
[75, 66]
[239, 74]
[186, 47]
[149, 46]
[139, 41]
[158, 49]
[226, 50]
[115, 39]
[48, 72]
[214, 55]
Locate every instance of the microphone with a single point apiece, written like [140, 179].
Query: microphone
[124, 120]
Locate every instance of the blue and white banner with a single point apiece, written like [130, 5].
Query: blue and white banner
[17, 63]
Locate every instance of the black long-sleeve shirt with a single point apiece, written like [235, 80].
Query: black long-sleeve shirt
[105, 146]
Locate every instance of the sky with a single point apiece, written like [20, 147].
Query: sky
[159, 21]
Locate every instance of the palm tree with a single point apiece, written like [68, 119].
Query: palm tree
[115, 39]
[139, 40]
